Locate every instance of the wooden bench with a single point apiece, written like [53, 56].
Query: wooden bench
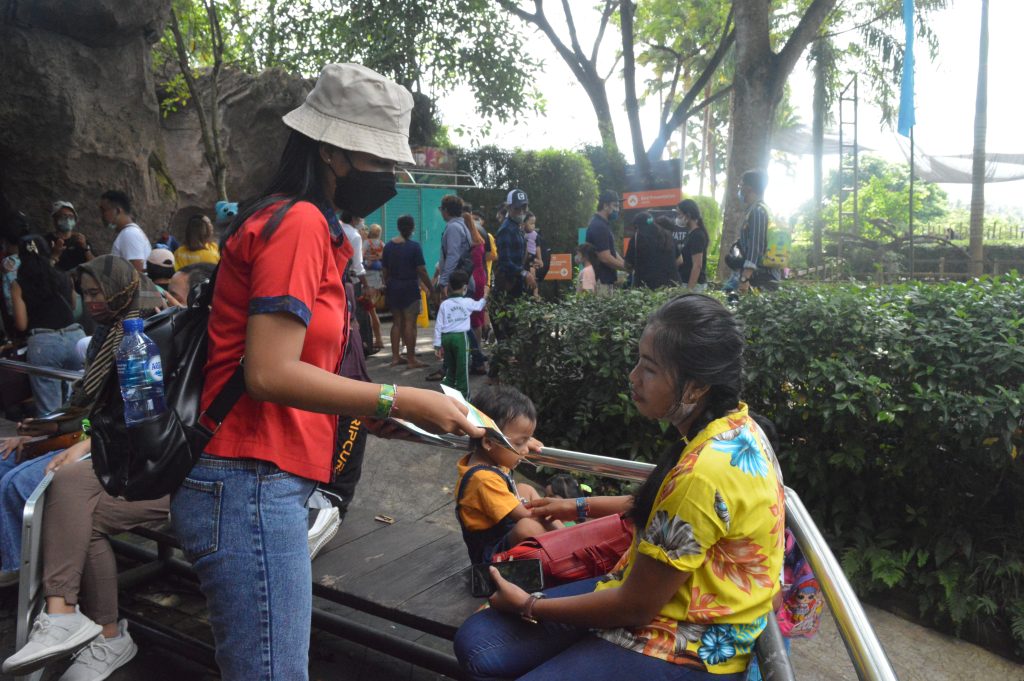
[413, 572]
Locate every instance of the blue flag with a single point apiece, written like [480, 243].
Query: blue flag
[907, 118]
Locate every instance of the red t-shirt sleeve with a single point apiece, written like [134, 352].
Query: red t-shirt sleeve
[287, 269]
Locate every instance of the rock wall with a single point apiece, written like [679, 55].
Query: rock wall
[78, 109]
[251, 131]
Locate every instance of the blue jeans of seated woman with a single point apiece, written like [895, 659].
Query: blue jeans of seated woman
[242, 523]
[55, 349]
[497, 645]
[16, 486]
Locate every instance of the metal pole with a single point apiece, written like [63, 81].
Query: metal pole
[866, 652]
[34, 370]
[911, 203]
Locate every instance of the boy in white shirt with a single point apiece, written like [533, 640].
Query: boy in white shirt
[131, 242]
[450, 341]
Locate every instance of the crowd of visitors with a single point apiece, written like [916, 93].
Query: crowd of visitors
[295, 272]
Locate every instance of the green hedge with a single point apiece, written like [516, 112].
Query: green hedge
[897, 407]
[560, 184]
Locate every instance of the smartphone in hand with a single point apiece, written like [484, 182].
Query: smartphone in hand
[526, 574]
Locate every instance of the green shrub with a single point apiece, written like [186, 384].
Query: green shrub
[560, 184]
[897, 408]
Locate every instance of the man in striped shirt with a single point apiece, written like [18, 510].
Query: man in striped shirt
[754, 234]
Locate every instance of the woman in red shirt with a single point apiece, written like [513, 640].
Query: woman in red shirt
[279, 302]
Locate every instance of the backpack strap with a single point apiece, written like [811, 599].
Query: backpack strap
[482, 467]
[228, 396]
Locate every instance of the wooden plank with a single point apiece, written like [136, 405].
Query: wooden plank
[447, 604]
[369, 552]
[357, 524]
[398, 581]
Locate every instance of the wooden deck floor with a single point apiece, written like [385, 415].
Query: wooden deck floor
[414, 572]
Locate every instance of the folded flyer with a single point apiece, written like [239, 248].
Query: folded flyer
[480, 419]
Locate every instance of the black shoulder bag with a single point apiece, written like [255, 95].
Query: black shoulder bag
[149, 460]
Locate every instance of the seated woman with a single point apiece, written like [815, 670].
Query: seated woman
[113, 291]
[44, 306]
[696, 586]
[79, 565]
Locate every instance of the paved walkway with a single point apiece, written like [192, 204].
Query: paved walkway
[400, 478]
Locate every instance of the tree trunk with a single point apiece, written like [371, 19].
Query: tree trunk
[818, 133]
[705, 141]
[626, 9]
[978, 172]
[757, 90]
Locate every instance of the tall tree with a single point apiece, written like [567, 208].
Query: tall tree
[978, 170]
[758, 87]
[208, 112]
[583, 64]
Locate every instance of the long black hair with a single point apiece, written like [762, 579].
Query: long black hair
[299, 177]
[696, 339]
[36, 274]
[689, 208]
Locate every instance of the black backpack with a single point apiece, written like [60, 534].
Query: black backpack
[149, 460]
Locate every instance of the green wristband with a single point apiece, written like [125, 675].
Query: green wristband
[386, 401]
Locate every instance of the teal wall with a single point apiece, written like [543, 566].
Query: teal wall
[422, 204]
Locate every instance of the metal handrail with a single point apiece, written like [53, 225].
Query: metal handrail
[35, 370]
[866, 653]
[869, 658]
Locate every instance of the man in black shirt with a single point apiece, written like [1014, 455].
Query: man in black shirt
[599, 235]
[69, 246]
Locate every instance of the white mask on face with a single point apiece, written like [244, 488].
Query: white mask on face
[680, 412]
[66, 224]
[681, 222]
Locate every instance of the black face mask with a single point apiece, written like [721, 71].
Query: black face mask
[362, 191]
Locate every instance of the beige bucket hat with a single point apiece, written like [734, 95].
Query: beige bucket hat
[356, 108]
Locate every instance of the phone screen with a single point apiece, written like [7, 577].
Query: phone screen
[526, 574]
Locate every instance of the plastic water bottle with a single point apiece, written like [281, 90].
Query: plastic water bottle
[140, 373]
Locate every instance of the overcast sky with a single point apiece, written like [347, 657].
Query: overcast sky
[945, 91]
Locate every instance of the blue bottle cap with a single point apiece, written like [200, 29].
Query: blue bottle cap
[132, 325]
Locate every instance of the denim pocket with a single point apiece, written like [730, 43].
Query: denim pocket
[195, 513]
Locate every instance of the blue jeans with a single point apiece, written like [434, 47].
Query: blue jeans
[55, 349]
[496, 645]
[16, 486]
[242, 523]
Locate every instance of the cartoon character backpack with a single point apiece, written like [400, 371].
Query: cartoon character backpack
[800, 613]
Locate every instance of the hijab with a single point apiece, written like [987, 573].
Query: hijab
[128, 295]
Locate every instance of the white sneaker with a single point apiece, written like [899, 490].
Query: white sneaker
[326, 525]
[51, 638]
[100, 658]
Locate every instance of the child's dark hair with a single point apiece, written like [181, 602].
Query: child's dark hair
[406, 225]
[695, 339]
[504, 404]
[565, 486]
[588, 253]
[458, 280]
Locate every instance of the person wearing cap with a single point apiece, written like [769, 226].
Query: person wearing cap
[600, 236]
[199, 244]
[71, 248]
[131, 242]
[160, 269]
[511, 276]
[280, 303]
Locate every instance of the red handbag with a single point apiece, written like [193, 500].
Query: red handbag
[581, 551]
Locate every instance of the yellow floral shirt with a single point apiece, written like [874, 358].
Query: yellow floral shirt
[720, 515]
